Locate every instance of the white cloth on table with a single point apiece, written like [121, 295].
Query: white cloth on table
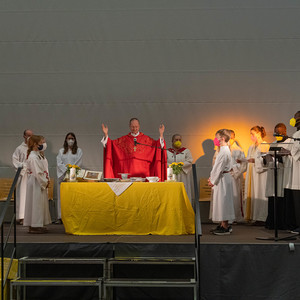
[119, 187]
[62, 160]
[19, 158]
[222, 208]
[37, 207]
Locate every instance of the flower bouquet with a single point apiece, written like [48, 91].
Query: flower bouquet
[176, 169]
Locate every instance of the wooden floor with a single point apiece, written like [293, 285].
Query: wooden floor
[242, 234]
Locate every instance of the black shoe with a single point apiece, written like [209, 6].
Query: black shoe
[214, 229]
[230, 228]
[296, 230]
[222, 231]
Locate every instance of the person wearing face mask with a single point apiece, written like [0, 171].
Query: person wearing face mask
[283, 170]
[220, 181]
[180, 154]
[292, 191]
[69, 154]
[239, 167]
[37, 213]
[255, 201]
[19, 160]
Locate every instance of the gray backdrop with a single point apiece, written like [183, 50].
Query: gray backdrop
[197, 66]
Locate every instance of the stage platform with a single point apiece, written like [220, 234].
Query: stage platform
[242, 234]
[237, 266]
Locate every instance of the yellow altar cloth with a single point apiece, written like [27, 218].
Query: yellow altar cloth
[92, 208]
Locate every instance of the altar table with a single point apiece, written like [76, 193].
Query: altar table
[92, 208]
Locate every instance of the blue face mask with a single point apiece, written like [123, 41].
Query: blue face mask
[40, 147]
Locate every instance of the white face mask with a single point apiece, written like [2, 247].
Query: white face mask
[44, 146]
[70, 142]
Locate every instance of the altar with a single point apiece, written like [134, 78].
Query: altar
[93, 208]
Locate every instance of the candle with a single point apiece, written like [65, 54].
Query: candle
[72, 174]
[170, 173]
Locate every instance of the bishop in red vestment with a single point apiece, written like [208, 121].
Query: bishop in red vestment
[134, 153]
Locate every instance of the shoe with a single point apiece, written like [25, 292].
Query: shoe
[296, 230]
[230, 228]
[58, 221]
[37, 230]
[214, 229]
[222, 231]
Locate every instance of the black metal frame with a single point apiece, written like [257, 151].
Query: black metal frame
[13, 224]
[198, 230]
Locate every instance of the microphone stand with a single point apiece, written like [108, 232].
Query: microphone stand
[276, 238]
[137, 143]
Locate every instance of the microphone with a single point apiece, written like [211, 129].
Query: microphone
[135, 141]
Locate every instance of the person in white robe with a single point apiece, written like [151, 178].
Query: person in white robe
[69, 154]
[293, 185]
[255, 202]
[283, 168]
[181, 154]
[221, 182]
[237, 171]
[37, 213]
[19, 158]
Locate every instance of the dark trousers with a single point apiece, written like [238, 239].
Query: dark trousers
[292, 198]
[280, 213]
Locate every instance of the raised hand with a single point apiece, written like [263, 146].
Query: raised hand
[105, 129]
[161, 130]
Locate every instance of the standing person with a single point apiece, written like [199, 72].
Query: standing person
[180, 154]
[293, 187]
[69, 154]
[255, 200]
[19, 160]
[135, 153]
[282, 169]
[37, 208]
[221, 181]
[237, 154]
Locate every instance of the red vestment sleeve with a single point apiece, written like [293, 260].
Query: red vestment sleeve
[121, 156]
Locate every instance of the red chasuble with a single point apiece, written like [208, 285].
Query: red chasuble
[121, 156]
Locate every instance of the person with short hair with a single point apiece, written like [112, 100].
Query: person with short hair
[135, 153]
[19, 158]
[283, 169]
[292, 192]
[255, 200]
[37, 213]
[69, 154]
[177, 153]
[221, 182]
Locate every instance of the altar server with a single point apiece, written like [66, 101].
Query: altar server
[283, 170]
[134, 153]
[238, 168]
[37, 213]
[19, 160]
[293, 186]
[69, 154]
[255, 200]
[181, 154]
[221, 182]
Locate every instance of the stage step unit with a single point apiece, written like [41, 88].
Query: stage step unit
[33, 272]
[149, 272]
